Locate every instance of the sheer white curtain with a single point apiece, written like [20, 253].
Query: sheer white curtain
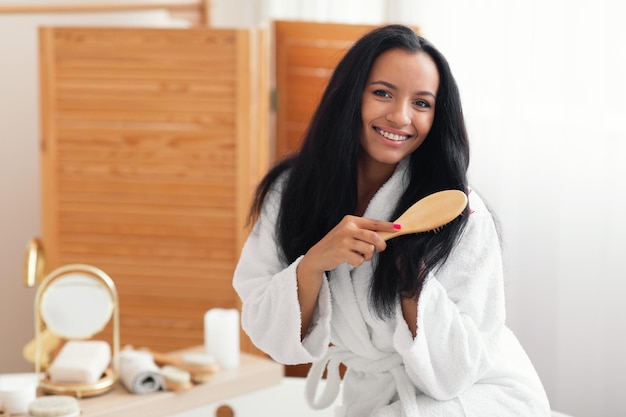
[544, 90]
[346, 11]
[254, 12]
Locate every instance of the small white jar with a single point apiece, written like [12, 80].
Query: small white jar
[17, 391]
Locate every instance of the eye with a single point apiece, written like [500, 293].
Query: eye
[422, 103]
[381, 93]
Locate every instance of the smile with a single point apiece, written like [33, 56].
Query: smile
[392, 136]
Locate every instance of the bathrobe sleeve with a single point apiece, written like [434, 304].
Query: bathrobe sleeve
[268, 290]
[460, 314]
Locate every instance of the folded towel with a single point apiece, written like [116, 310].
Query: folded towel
[80, 361]
[139, 373]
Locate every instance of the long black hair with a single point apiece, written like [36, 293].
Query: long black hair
[321, 187]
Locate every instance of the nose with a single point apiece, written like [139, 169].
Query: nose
[399, 113]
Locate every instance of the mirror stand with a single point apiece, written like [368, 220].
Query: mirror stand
[75, 302]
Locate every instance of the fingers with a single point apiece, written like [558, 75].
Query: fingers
[364, 241]
[364, 252]
[369, 227]
[370, 239]
[354, 240]
[364, 249]
[379, 225]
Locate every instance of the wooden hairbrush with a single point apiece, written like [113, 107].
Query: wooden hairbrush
[430, 213]
[201, 366]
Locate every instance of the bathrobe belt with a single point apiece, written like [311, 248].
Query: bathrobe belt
[391, 363]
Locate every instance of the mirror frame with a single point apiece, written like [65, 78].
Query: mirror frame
[34, 262]
[78, 390]
[76, 307]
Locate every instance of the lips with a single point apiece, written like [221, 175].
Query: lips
[392, 136]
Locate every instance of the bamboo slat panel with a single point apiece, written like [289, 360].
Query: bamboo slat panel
[306, 54]
[150, 151]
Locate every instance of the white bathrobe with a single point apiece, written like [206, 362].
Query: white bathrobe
[464, 361]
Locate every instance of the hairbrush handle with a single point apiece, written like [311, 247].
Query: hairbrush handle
[430, 213]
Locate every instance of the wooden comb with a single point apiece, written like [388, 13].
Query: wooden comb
[430, 213]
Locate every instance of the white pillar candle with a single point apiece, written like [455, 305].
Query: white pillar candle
[221, 336]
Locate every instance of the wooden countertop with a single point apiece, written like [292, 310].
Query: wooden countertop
[253, 373]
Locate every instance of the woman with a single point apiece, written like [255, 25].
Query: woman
[418, 320]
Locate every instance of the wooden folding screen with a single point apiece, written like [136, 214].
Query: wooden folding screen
[306, 55]
[151, 145]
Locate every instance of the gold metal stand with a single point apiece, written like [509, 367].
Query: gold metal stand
[72, 277]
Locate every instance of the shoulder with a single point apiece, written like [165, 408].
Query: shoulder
[480, 214]
[272, 201]
[477, 205]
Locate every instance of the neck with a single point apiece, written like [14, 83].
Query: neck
[371, 175]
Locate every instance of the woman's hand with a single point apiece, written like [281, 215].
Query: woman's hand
[354, 240]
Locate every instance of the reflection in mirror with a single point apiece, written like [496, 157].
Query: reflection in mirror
[76, 306]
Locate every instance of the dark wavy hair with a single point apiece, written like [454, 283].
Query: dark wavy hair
[322, 183]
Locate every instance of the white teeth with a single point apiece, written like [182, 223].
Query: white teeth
[392, 136]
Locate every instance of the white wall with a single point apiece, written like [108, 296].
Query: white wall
[19, 182]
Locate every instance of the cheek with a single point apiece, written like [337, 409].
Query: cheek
[367, 112]
[372, 109]
[424, 124]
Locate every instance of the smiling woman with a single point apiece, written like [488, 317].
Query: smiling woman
[419, 321]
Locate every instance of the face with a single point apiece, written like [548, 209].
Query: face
[398, 107]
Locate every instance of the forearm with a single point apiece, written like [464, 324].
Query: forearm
[309, 285]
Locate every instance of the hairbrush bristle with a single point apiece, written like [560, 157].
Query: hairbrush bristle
[440, 228]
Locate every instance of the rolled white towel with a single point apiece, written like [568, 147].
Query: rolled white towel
[80, 361]
[139, 373]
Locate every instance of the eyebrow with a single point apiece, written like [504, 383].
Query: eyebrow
[393, 87]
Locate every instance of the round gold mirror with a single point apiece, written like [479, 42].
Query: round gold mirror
[76, 302]
[76, 306]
